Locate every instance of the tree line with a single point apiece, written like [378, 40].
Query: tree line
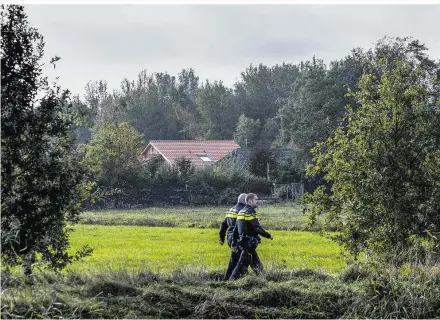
[286, 105]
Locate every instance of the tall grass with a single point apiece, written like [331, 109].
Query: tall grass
[174, 270]
[198, 293]
[409, 291]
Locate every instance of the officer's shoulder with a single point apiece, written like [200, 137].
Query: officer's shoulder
[244, 209]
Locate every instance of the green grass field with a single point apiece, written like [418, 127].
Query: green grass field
[166, 263]
[162, 249]
[274, 217]
[163, 240]
[166, 239]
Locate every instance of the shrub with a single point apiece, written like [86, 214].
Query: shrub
[384, 166]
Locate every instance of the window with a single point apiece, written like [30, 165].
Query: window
[204, 157]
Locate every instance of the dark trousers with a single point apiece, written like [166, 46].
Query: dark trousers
[247, 257]
[235, 256]
[233, 260]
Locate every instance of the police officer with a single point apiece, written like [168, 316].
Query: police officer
[247, 230]
[228, 226]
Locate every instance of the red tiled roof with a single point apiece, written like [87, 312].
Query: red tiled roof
[173, 149]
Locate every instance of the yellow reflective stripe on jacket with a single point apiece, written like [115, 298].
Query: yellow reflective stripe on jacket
[232, 213]
[246, 217]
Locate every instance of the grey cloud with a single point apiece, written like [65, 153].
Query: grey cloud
[124, 43]
[218, 41]
[289, 48]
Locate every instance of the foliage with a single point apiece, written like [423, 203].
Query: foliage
[165, 177]
[159, 183]
[260, 161]
[285, 171]
[161, 106]
[269, 133]
[185, 167]
[261, 90]
[42, 184]
[274, 164]
[314, 108]
[148, 105]
[151, 166]
[215, 105]
[247, 132]
[84, 120]
[384, 166]
[186, 107]
[284, 105]
[316, 105]
[97, 99]
[112, 155]
[222, 183]
[156, 105]
[258, 95]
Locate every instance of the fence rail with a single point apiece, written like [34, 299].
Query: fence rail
[289, 191]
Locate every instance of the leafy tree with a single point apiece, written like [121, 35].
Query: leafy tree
[151, 167]
[147, 105]
[285, 171]
[217, 112]
[388, 51]
[384, 166]
[261, 90]
[269, 133]
[185, 167]
[42, 184]
[185, 107]
[85, 119]
[317, 102]
[97, 97]
[112, 155]
[314, 109]
[247, 132]
[260, 160]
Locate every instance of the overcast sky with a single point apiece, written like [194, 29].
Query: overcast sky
[113, 42]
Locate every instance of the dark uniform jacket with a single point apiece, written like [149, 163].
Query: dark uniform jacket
[247, 228]
[228, 223]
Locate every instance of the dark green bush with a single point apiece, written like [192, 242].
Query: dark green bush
[183, 184]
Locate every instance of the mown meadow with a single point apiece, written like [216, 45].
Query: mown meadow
[166, 263]
[165, 239]
[165, 249]
[274, 217]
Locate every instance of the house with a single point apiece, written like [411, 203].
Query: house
[199, 152]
